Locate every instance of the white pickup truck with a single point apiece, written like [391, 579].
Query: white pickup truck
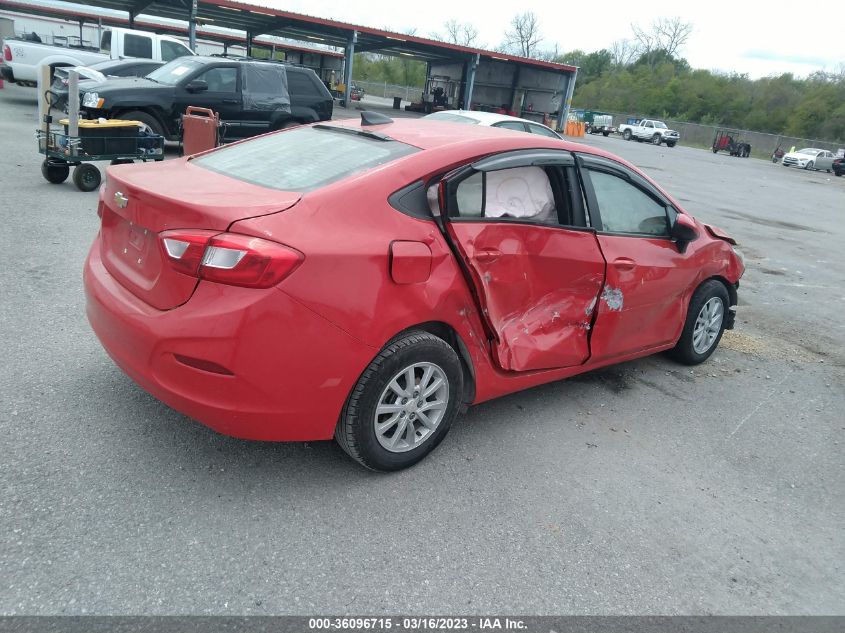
[22, 58]
[649, 130]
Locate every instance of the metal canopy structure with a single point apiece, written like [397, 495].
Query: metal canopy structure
[256, 20]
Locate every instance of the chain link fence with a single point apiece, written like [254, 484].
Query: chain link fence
[388, 91]
[763, 145]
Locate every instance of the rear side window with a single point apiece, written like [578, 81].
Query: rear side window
[105, 43]
[303, 159]
[172, 50]
[511, 125]
[137, 46]
[299, 84]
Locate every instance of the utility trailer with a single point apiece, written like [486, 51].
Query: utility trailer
[729, 141]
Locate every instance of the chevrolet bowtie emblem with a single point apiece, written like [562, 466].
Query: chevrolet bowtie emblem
[120, 200]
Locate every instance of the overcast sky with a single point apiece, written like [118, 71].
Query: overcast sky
[754, 37]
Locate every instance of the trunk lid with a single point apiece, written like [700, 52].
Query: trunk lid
[141, 201]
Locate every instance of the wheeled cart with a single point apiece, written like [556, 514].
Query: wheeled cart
[115, 140]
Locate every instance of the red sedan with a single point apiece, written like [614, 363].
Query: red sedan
[365, 280]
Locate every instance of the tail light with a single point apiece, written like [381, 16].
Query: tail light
[7, 53]
[229, 258]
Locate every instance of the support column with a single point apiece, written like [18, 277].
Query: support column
[131, 20]
[249, 43]
[350, 56]
[192, 26]
[81, 43]
[472, 66]
[566, 103]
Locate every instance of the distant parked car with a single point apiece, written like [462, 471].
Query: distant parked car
[356, 93]
[101, 71]
[492, 119]
[810, 158]
[251, 96]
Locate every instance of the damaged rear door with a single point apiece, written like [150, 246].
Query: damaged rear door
[519, 223]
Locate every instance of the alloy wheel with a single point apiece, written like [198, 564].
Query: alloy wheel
[411, 407]
[708, 324]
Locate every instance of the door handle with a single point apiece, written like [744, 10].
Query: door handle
[624, 263]
[487, 255]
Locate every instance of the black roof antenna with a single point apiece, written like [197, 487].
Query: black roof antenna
[368, 117]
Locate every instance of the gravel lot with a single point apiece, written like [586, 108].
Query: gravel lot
[643, 488]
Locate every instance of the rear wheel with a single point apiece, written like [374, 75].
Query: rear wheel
[404, 403]
[605, 133]
[626, 135]
[55, 173]
[704, 325]
[86, 177]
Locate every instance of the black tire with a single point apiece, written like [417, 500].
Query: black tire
[626, 135]
[55, 173]
[86, 177]
[656, 139]
[355, 432]
[810, 165]
[148, 121]
[671, 143]
[605, 133]
[588, 129]
[684, 352]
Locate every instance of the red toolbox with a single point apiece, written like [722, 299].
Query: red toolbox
[199, 130]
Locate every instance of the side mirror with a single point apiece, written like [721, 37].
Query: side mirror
[197, 85]
[684, 231]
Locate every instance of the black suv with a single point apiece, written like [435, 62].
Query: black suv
[251, 96]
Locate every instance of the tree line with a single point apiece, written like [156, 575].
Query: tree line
[647, 74]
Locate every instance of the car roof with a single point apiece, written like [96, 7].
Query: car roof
[122, 63]
[217, 59]
[486, 118]
[431, 133]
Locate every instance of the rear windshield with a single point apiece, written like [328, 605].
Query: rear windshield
[454, 118]
[303, 159]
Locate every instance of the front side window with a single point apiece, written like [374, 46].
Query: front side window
[137, 46]
[223, 79]
[541, 130]
[625, 208]
[519, 193]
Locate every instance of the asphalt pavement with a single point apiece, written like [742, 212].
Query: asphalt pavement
[645, 488]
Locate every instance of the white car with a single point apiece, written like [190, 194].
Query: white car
[474, 117]
[810, 158]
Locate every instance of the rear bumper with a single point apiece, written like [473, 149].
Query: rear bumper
[289, 369]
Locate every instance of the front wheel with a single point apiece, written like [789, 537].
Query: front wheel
[810, 165]
[704, 325]
[54, 172]
[605, 133]
[403, 404]
[656, 139]
[626, 135]
[670, 143]
[149, 123]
